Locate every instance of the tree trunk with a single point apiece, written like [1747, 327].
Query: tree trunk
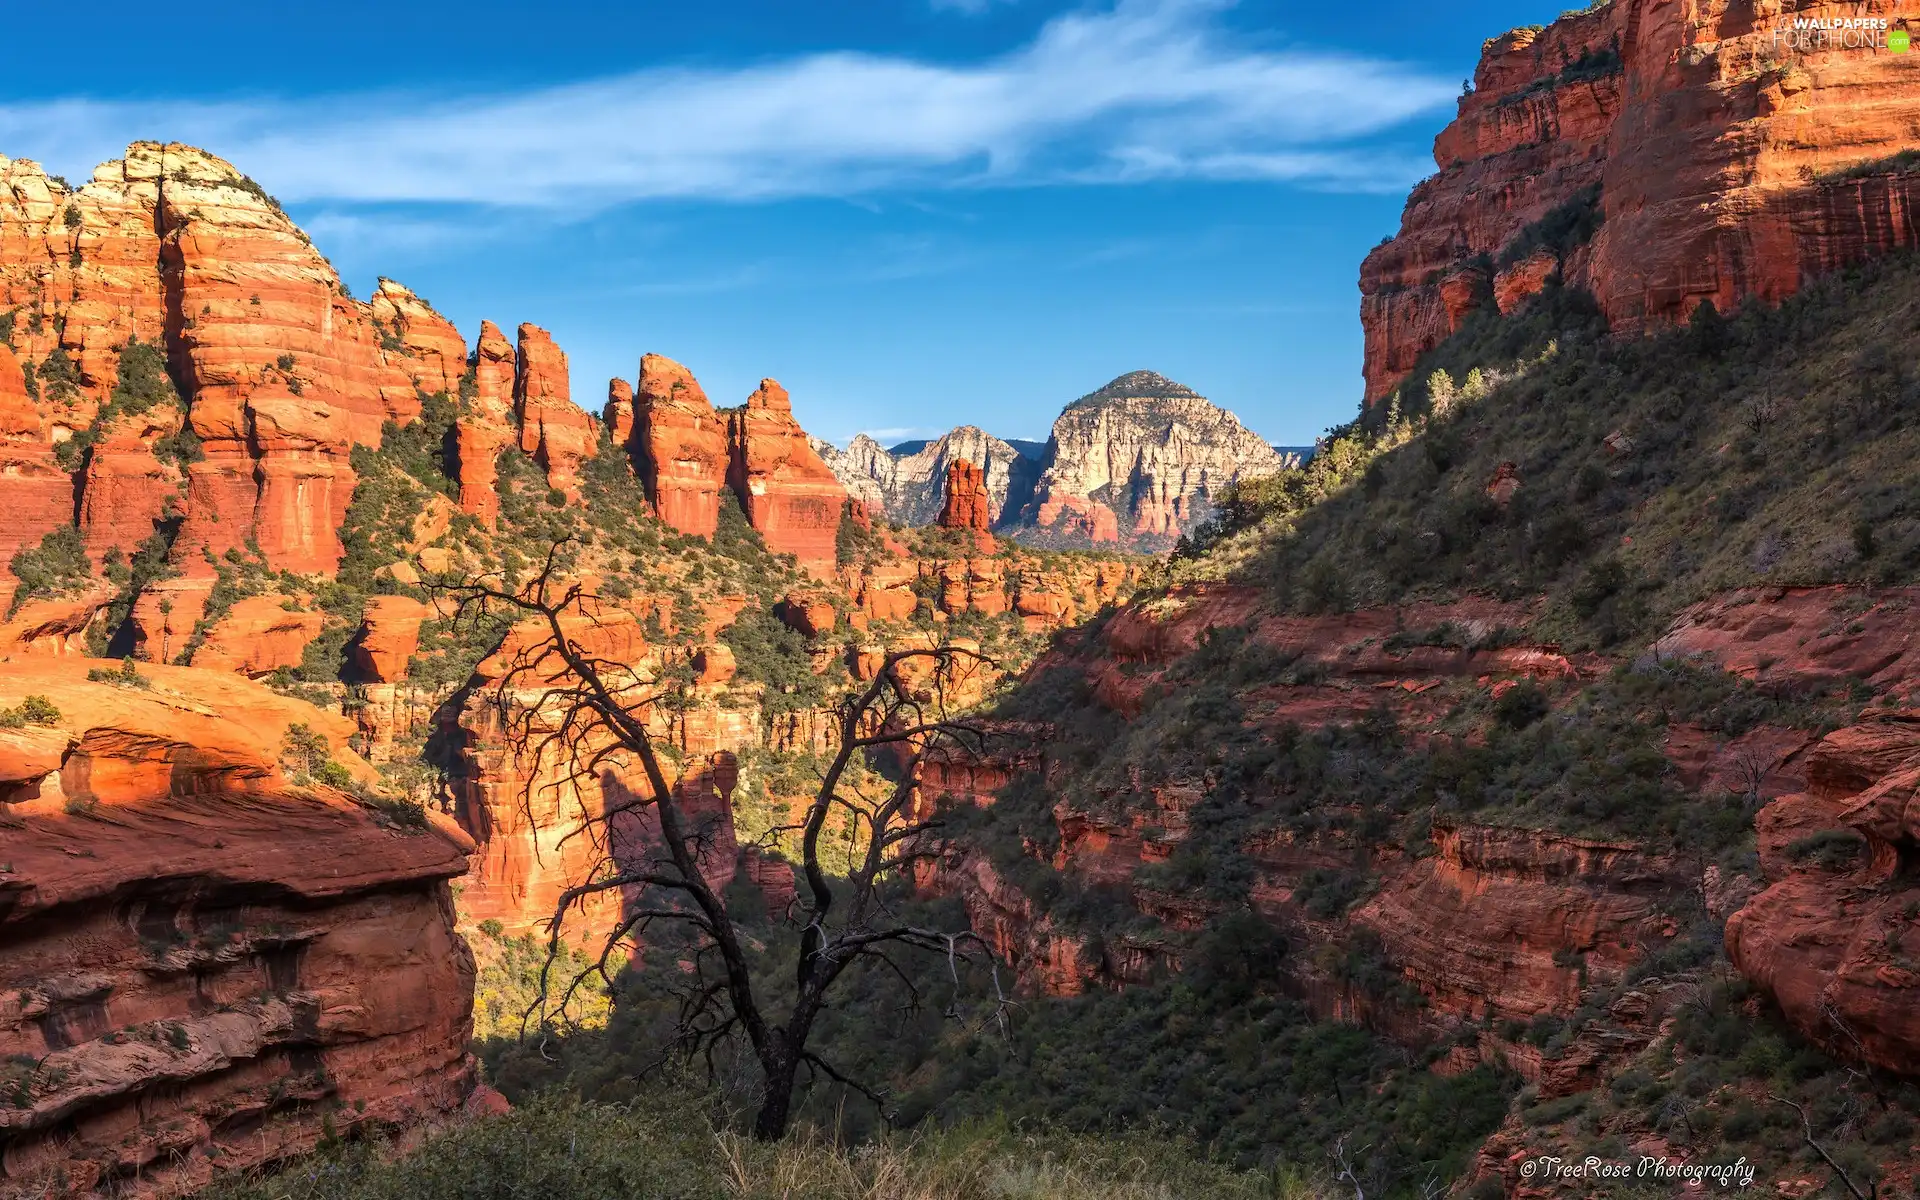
[781, 1064]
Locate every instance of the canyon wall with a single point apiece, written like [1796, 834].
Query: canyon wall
[1477, 929]
[1655, 153]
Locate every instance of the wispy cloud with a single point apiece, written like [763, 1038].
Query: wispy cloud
[1146, 90]
[971, 8]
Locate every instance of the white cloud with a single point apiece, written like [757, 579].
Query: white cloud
[1149, 89]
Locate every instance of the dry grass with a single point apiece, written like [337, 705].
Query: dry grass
[666, 1148]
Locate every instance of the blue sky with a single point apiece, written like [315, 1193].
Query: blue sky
[914, 213]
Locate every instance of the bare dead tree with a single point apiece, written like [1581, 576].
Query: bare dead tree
[1749, 769]
[584, 722]
[1806, 1127]
[1347, 1173]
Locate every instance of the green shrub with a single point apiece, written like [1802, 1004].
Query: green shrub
[34, 710]
[57, 566]
[1521, 705]
[141, 384]
[125, 675]
[1575, 220]
[1829, 849]
[1904, 162]
[304, 750]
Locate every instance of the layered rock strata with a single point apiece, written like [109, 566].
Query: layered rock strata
[679, 446]
[206, 968]
[789, 495]
[1656, 155]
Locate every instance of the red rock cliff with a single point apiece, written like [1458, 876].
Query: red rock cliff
[1829, 939]
[789, 494]
[203, 967]
[486, 422]
[283, 372]
[557, 434]
[39, 495]
[679, 445]
[1726, 160]
[429, 349]
[967, 504]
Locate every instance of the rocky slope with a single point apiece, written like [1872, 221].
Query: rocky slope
[207, 965]
[1655, 155]
[1131, 464]
[1559, 728]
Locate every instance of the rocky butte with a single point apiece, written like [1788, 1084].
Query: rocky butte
[1132, 464]
[1656, 154]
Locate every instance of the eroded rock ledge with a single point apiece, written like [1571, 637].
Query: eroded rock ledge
[202, 966]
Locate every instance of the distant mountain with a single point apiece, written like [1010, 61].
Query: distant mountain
[908, 483]
[1135, 463]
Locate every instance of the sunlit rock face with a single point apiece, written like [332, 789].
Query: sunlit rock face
[1132, 465]
[1699, 151]
[208, 966]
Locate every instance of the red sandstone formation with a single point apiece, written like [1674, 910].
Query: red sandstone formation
[520, 811]
[1516, 284]
[257, 636]
[1716, 154]
[1506, 923]
[1488, 926]
[128, 491]
[85, 310]
[284, 371]
[712, 666]
[1078, 517]
[485, 426]
[389, 634]
[811, 616]
[51, 628]
[422, 343]
[883, 590]
[967, 504]
[617, 415]
[1832, 941]
[378, 659]
[789, 495]
[1504, 484]
[202, 967]
[1815, 635]
[165, 614]
[679, 445]
[38, 494]
[554, 432]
